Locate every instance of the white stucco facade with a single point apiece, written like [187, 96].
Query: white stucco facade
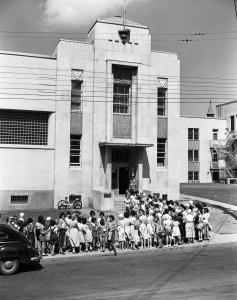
[45, 172]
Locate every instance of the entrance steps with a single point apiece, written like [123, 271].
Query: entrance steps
[119, 203]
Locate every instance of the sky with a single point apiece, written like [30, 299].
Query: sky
[208, 62]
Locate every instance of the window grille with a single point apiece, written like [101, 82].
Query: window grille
[23, 127]
[76, 95]
[121, 99]
[19, 199]
[193, 176]
[161, 152]
[193, 133]
[161, 101]
[75, 150]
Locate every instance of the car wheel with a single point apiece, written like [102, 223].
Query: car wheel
[9, 266]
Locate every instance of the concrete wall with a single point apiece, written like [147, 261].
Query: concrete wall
[27, 83]
[205, 125]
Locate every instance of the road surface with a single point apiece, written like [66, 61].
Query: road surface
[206, 272]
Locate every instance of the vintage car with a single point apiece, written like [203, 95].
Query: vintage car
[15, 249]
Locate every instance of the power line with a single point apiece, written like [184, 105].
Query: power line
[106, 33]
[103, 72]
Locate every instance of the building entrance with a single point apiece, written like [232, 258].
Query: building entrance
[123, 180]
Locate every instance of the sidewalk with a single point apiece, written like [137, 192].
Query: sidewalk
[215, 237]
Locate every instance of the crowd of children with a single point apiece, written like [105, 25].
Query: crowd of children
[148, 221]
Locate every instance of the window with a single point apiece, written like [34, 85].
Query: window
[214, 156]
[193, 155]
[161, 152]
[122, 88]
[215, 134]
[23, 127]
[75, 150]
[121, 99]
[193, 134]
[161, 101]
[76, 95]
[19, 199]
[193, 176]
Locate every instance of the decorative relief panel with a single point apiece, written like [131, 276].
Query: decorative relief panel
[77, 75]
[162, 82]
[122, 126]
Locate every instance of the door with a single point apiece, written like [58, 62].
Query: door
[123, 180]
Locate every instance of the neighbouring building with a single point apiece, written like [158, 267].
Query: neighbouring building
[91, 116]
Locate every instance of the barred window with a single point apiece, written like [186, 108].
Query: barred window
[76, 95]
[161, 101]
[19, 199]
[193, 133]
[121, 99]
[75, 150]
[161, 152]
[193, 176]
[193, 155]
[23, 127]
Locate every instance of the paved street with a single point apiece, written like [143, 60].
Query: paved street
[206, 272]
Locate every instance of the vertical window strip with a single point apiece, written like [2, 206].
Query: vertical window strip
[162, 91]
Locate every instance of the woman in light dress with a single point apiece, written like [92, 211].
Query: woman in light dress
[81, 231]
[135, 224]
[73, 232]
[150, 228]
[127, 229]
[189, 226]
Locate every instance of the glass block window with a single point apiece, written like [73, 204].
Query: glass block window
[193, 155]
[23, 127]
[121, 99]
[76, 95]
[75, 150]
[193, 133]
[193, 176]
[161, 152]
[161, 101]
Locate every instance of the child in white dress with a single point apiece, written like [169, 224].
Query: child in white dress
[121, 232]
[143, 232]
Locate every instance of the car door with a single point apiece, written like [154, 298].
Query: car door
[12, 245]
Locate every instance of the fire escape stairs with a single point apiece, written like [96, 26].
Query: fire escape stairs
[224, 151]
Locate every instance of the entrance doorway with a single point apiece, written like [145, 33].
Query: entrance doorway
[123, 180]
[215, 176]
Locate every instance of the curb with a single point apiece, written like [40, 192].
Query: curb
[211, 202]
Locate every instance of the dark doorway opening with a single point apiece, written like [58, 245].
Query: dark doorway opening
[123, 180]
[215, 176]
